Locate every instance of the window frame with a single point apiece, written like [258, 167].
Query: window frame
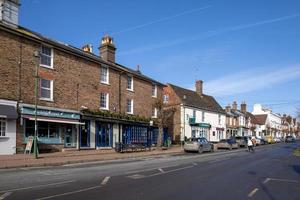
[131, 106]
[3, 120]
[107, 75]
[51, 56]
[166, 98]
[155, 112]
[203, 116]
[155, 91]
[51, 90]
[106, 101]
[131, 85]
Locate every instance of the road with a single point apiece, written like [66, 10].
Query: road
[272, 172]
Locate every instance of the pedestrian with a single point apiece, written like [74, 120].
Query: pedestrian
[250, 145]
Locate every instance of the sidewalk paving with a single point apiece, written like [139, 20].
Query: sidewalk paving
[83, 156]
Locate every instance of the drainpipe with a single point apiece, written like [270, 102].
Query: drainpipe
[120, 102]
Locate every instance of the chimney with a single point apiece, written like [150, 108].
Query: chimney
[199, 87]
[9, 12]
[107, 49]
[138, 69]
[88, 48]
[243, 107]
[234, 106]
[228, 108]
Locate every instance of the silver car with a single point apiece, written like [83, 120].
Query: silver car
[198, 144]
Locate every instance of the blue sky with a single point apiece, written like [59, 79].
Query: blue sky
[243, 50]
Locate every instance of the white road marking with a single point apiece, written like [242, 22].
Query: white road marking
[37, 186]
[5, 195]
[195, 164]
[69, 193]
[136, 176]
[166, 172]
[252, 192]
[281, 180]
[161, 170]
[105, 180]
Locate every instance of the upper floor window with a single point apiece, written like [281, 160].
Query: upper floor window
[46, 89]
[154, 90]
[194, 113]
[2, 127]
[104, 76]
[129, 106]
[46, 56]
[203, 116]
[219, 120]
[166, 98]
[104, 98]
[129, 83]
[154, 112]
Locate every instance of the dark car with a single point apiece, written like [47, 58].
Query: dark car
[289, 139]
[198, 144]
[241, 140]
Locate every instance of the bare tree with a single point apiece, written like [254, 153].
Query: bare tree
[163, 115]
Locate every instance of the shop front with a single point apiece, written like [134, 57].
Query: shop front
[57, 129]
[8, 116]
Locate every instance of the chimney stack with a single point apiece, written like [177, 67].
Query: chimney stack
[88, 48]
[138, 69]
[199, 87]
[243, 107]
[9, 12]
[228, 108]
[107, 49]
[234, 106]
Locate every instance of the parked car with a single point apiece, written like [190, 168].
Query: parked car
[241, 140]
[269, 139]
[277, 139]
[289, 138]
[198, 144]
[228, 144]
[258, 141]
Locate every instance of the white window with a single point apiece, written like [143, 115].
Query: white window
[104, 100]
[129, 83]
[104, 76]
[46, 56]
[203, 116]
[129, 106]
[154, 90]
[2, 127]
[166, 98]
[219, 119]
[154, 112]
[46, 90]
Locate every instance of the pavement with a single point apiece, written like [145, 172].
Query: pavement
[70, 157]
[272, 172]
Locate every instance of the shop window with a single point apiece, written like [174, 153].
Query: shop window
[2, 127]
[45, 129]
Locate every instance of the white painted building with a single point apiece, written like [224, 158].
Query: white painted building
[8, 116]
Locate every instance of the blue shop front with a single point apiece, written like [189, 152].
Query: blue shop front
[58, 129]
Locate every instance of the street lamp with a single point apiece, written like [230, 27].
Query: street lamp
[35, 149]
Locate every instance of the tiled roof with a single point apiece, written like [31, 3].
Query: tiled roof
[193, 99]
[252, 117]
[261, 119]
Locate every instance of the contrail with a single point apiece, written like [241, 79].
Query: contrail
[160, 20]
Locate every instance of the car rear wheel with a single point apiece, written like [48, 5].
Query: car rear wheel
[212, 148]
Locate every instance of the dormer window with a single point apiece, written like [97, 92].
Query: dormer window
[46, 57]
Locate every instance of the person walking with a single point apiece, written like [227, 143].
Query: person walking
[250, 145]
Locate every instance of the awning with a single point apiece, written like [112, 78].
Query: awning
[9, 111]
[57, 120]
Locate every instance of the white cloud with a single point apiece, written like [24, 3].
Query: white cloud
[249, 81]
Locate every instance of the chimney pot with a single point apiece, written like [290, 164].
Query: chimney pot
[88, 48]
[244, 107]
[234, 106]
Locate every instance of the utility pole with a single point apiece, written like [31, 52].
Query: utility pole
[35, 147]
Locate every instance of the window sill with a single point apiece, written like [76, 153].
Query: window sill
[129, 90]
[45, 99]
[104, 108]
[130, 113]
[46, 66]
[104, 83]
[154, 117]
[154, 96]
[4, 137]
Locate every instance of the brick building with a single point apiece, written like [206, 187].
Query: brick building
[196, 114]
[84, 100]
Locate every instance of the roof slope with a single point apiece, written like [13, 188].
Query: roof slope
[261, 119]
[193, 99]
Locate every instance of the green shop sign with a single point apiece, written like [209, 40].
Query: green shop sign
[50, 113]
[204, 125]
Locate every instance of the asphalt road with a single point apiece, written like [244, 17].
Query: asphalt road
[272, 172]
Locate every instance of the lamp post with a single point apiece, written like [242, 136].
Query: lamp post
[35, 148]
